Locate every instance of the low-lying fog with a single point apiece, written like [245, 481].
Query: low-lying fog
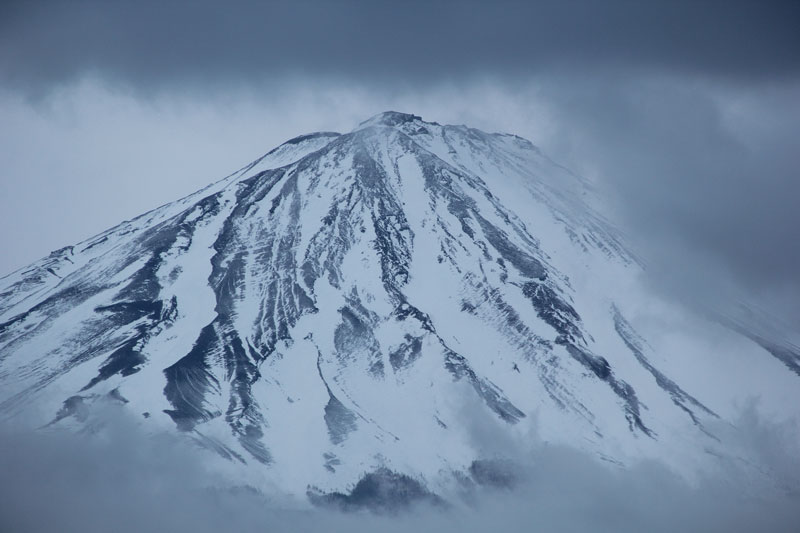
[119, 480]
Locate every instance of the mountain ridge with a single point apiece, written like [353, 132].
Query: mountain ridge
[323, 311]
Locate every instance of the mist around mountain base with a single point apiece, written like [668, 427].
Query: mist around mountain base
[114, 478]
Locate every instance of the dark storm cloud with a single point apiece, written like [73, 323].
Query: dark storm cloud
[706, 176]
[148, 44]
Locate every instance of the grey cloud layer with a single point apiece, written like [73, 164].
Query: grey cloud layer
[149, 44]
[704, 176]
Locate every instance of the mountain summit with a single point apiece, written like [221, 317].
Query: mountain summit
[348, 305]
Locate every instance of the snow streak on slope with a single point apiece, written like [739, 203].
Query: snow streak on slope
[326, 311]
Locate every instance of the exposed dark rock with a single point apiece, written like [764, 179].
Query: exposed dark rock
[496, 473]
[380, 491]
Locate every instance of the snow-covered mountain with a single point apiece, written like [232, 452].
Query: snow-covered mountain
[349, 304]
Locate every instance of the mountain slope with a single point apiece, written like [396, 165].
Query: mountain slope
[348, 303]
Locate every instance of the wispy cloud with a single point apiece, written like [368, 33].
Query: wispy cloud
[118, 479]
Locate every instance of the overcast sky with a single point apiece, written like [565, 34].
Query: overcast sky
[686, 113]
